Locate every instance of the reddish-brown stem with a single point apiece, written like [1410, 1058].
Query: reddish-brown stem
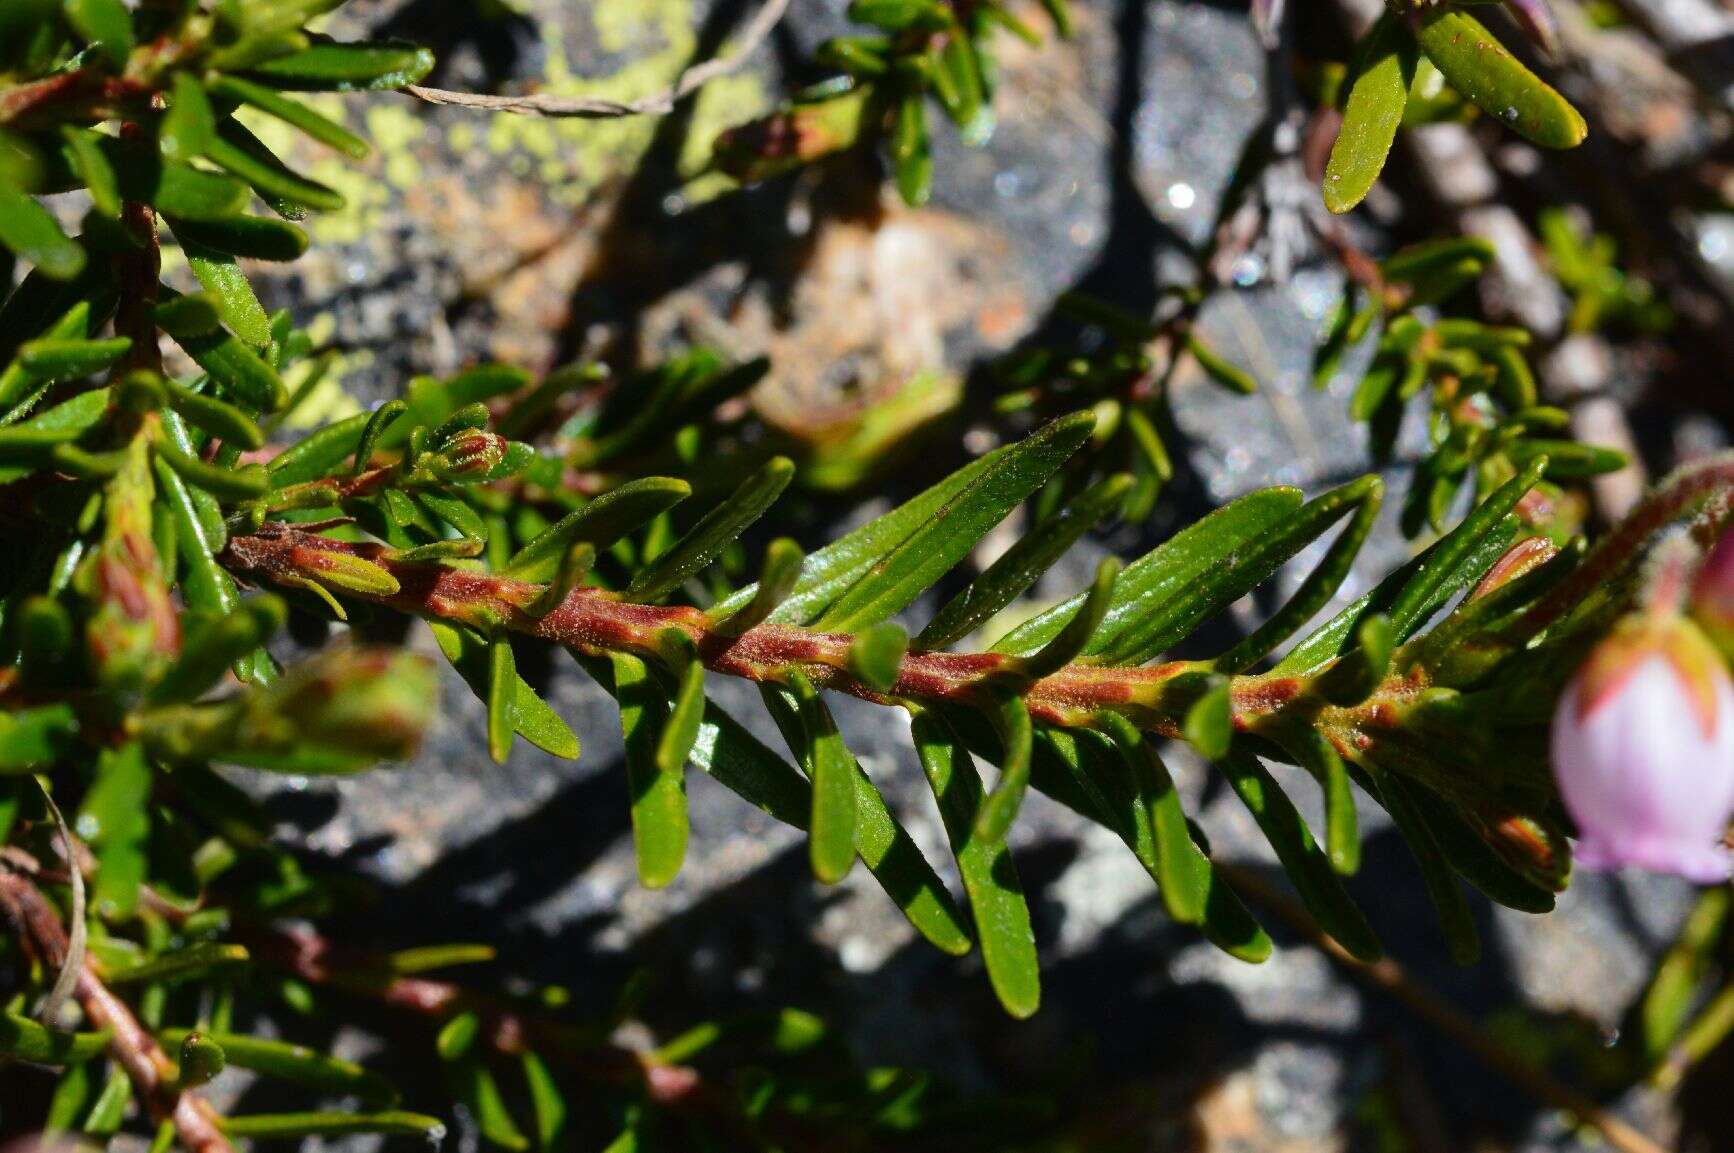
[55, 99]
[138, 272]
[152, 1073]
[1390, 977]
[1153, 697]
[510, 1030]
[504, 1027]
[1673, 496]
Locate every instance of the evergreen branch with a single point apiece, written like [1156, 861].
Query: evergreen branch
[513, 1030]
[154, 1076]
[594, 622]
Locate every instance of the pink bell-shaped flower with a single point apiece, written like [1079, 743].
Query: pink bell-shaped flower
[1643, 751]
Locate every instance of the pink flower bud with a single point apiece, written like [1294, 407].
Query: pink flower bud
[1713, 595]
[1643, 750]
[1267, 22]
[472, 454]
[1538, 23]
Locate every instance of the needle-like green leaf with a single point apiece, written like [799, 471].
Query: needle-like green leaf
[1306, 865]
[291, 112]
[331, 66]
[535, 721]
[235, 366]
[574, 567]
[252, 237]
[28, 229]
[298, 1126]
[187, 127]
[502, 698]
[105, 25]
[813, 737]
[1378, 92]
[601, 522]
[236, 150]
[297, 1064]
[1219, 368]
[319, 452]
[659, 828]
[990, 879]
[825, 574]
[1209, 722]
[1343, 633]
[674, 744]
[1408, 611]
[221, 420]
[1020, 566]
[1182, 870]
[719, 528]
[546, 1101]
[84, 149]
[106, 1114]
[1471, 856]
[1075, 635]
[1315, 753]
[1012, 721]
[740, 762]
[22, 1039]
[781, 568]
[1482, 69]
[937, 545]
[1146, 812]
[192, 961]
[220, 275]
[1315, 592]
[1456, 921]
[1149, 625]
[1168, 569]
[877, 653]
[477, 1088]
[115, 820]
[226, 484]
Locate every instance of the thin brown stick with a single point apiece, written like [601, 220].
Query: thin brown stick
[152, 1073]
[1391, 978]
[601, 108]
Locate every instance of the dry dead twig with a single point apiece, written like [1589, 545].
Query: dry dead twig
[602, 108]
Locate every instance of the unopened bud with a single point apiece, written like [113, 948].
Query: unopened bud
[785, 140]
[471, 455]
[201, 1060]
[1267, 22]
[374, 702]
[1522, 558]
[1538, 22]
[1643, 751]
[343, 571]
[133, 629]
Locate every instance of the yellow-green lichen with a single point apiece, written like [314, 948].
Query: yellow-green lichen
[575, 157]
